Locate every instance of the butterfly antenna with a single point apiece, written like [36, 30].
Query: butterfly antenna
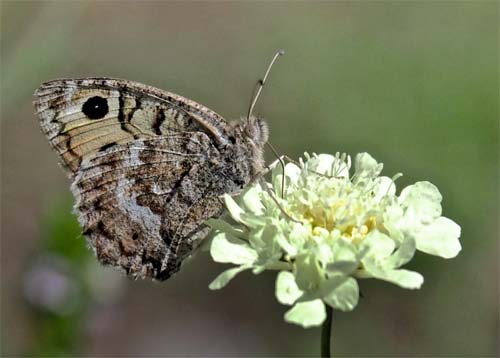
[260, 83]
[255, 96]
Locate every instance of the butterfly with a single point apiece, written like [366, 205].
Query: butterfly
[148, 167]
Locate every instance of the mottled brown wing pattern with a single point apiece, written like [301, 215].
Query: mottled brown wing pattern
[148, 167]
[141, 205]
[83, 116]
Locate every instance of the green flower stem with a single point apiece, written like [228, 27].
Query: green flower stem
[326, 333]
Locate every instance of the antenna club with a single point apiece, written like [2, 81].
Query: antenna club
[281, 52]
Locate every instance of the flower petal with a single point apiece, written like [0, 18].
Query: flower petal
[440, 238]
[403, 278]
[403, 254]
[343, 250]
[298, 235]
[344, 297]
[292, 174]
[329, 165]
[251, 199]
[307, 314]
[344, 267]
[231, 250]
[393, 216]
[287, 290]
[384, 186]
[345, 257]
[224, 226]
[251, 220]
[365, 165]
[332, 283]
[226, 276]
[233, 208]
[285, 244]
[308, 273]
[378, 244]
[422, 201]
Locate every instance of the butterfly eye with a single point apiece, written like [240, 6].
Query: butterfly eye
[95, 107]
[248, 131]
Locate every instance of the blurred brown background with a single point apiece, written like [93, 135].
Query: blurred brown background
[413, 83]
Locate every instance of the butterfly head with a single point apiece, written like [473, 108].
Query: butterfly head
[246, 144]
[256, 129]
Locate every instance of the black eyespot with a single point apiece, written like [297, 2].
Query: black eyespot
[95, 107]
[232, 139]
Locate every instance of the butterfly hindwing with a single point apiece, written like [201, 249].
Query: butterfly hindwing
[139, 203]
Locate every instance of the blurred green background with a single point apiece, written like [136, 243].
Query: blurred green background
[413, 83]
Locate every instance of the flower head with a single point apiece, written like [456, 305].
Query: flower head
[330, 229]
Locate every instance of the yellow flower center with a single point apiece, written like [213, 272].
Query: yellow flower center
[338, 216]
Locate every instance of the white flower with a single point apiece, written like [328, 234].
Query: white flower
[329, 230]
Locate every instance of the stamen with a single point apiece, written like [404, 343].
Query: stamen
[394, 178]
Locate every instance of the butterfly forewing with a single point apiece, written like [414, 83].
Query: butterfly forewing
[81, 117]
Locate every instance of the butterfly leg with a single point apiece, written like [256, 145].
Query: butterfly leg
[263, 184]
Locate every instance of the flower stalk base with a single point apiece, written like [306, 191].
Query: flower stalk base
[326, 333]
